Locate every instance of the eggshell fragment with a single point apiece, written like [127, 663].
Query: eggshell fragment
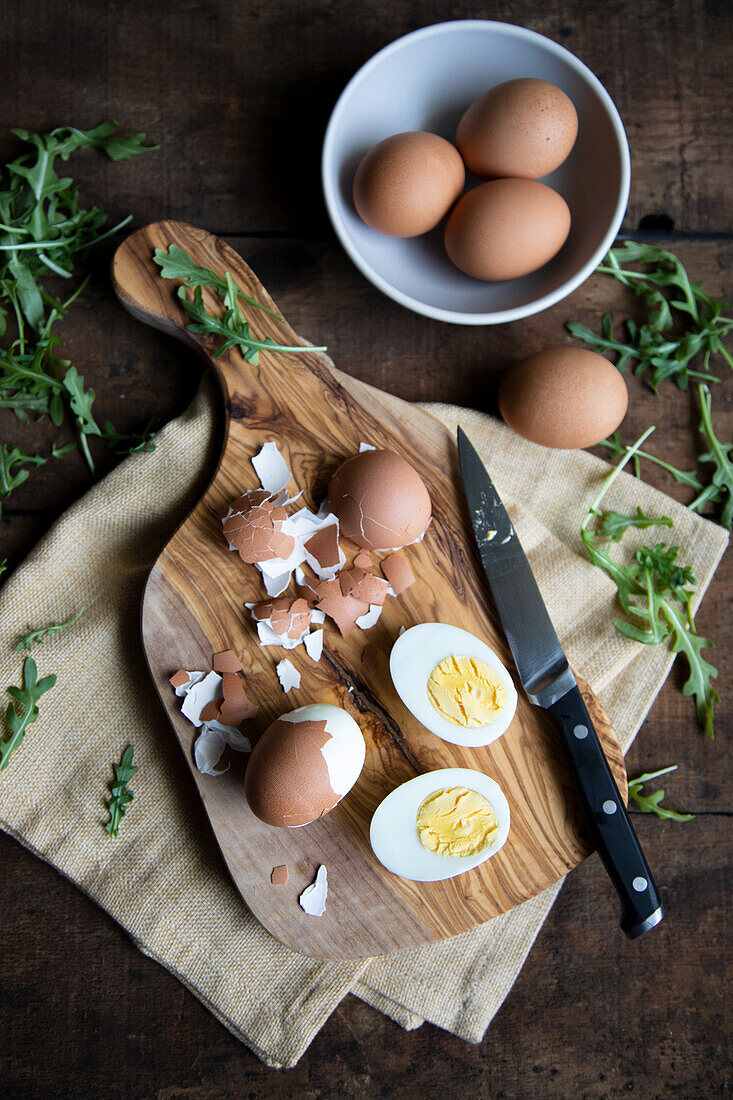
[521, 128]
[406, 183]
[288, 675]
[226, 661]
[398, 573]
[564, 397]
[506, 229]
[313, 899]
[279, 875]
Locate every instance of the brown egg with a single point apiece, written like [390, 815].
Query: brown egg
[564, 397]
[407, 183]
[303, 765]
[380, 500]
[523, 128]
[505, 229]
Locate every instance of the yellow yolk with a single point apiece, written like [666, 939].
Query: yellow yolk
[466, 692]
[456, 822]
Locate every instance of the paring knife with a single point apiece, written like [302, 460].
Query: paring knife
[549, 682]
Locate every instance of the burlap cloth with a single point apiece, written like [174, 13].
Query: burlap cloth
[163, 878]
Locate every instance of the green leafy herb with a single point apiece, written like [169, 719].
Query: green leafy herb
[24, 708]
[3, 566]
[121, 796]
[650, 804]
[720, 489]
[132, 443]
[671, 298]
[613, 524]
[12, 469]
[231, 327]
[719, 454]
[44, 234]
[653, 592]
[35, 637]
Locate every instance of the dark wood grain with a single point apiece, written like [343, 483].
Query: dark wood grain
[238, 95]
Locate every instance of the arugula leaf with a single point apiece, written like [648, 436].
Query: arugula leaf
[650, 804]
[35, 637]
[121, 796]
[655, 593]
[231, 327]
[24, 709]
[80, 402]
[129, 443]
[12, 472]
[721, 488]
[654, 345]
[177, 264]
[44, 233]
[614, 524]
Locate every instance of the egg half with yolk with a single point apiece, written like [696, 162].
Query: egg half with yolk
[453, 684]
[440, 824]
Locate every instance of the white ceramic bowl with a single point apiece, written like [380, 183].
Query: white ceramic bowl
[425, 81]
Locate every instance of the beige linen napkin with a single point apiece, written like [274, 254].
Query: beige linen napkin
[163, 878]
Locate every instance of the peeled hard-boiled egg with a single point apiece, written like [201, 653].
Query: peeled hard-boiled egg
[506, 228]
[453, 684]
[522, 128]
[564, 397]
[303, 765]
[454, 809]
[407, 183]
[380, 500]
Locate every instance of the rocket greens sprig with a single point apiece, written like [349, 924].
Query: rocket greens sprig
[231, 327]
[24, 708]
[44, 235]
[651, 803]
[655, 592]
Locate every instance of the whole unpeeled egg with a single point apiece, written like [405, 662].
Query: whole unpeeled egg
[506, 228]
[406, 183]
[303, 765]
[521, 128]
[394, 835]
[563, 397]
[421, 651]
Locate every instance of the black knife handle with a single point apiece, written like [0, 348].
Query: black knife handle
[608, 820]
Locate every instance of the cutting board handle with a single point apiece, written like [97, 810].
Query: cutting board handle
[150, 298]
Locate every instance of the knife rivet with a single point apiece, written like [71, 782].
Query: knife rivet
[640, 884]
[609, 807]
[581, 732]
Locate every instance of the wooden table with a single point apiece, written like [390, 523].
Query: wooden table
[238, 96]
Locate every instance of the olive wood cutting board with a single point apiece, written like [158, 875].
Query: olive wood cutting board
[193, 607]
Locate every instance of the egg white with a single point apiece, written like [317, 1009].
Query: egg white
[414, 656]
[393, 831]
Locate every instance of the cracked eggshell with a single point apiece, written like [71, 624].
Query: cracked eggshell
[303, 765]
[381, 501]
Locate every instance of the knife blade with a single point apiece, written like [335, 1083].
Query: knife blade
[549, 683]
